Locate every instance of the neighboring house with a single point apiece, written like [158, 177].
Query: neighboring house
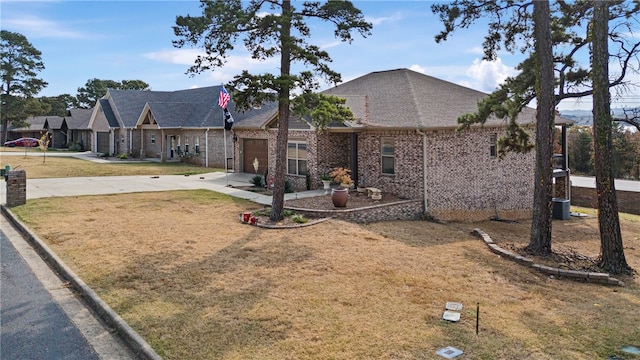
[404, 141]
[167, 125]
[78, 132]
[35, 129]
[56, 127]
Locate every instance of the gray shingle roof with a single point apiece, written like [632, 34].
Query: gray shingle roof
[195, 108]
[404, 98]
[34, 123]
[109, 114]
[54, 122]
[78, 119]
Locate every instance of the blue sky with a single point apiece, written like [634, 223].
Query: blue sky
[127, 40]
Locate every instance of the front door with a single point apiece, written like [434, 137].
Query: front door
[255, 151]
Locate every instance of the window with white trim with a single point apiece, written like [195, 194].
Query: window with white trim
[197, 139]
[153, 138]
[297, 157]
[493, 145]
[387, 151]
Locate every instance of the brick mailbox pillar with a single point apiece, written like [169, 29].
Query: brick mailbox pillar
[16, 188]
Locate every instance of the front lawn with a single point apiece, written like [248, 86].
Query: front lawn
[197, 284]
[61, 167]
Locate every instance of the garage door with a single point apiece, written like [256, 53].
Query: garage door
[103, 142]
[255, 149]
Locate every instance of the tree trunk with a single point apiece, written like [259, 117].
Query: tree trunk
[612, 257]
[3, 133]
[540, 240]
[277, 202]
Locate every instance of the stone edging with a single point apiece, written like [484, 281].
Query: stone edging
[593, 277]
[292, 226]
[139, 346]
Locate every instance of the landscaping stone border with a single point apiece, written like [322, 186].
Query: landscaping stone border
[400, 210]
[592, 277]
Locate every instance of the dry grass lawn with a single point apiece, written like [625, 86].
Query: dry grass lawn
[38, 167]
[197, 284]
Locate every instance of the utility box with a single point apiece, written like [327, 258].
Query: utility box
[561, 209]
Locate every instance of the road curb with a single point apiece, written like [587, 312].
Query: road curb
[139, 346]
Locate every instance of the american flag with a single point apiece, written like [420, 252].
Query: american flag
[224, 98]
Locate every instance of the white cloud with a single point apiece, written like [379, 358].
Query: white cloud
[382, 19]
[37, 27]
[234, 65]
[418, 68]
[178, 56]
[487, 75]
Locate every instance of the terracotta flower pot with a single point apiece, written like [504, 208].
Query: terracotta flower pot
[339, 197]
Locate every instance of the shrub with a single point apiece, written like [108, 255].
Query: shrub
[123, 156]
[257, 181]
[299, 219]
[188, 158]
[74, 146]
[287, 212]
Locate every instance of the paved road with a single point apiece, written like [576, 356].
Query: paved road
[41, 318]
[590, 182]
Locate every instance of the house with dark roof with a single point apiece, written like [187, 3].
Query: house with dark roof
[34, 128]
[166, 125]
[404, 141]
[56, 127]
[78, 131]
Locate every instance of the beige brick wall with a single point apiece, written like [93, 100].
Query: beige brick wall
[463, 181]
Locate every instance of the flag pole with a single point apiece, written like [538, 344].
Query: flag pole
[226, 166]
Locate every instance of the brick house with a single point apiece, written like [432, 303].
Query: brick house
[167, 125]
[404, 141]
[78, 127]
[35, 128]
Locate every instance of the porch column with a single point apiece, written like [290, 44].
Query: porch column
[163, 146]
[142, 143]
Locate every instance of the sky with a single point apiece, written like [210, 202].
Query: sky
[132, 40]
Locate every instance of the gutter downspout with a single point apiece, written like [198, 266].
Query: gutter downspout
[424, 169]
[206, 148]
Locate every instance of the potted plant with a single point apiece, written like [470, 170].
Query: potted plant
[342, 176]
[326, 181]
[340, 195]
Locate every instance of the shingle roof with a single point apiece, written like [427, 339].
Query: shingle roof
[78, 119]
[109, 114]
[404, 98]
[191, 108]
[54, 122]
[34, 123]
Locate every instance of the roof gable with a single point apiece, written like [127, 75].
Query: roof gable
[78, 119]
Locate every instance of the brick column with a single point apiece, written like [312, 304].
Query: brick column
[16, 188]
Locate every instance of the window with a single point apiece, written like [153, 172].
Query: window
[297, 158]
[388, 158]
[153, 138]
[197, 140]
[493, 145]
[186, 144]
[122, 139]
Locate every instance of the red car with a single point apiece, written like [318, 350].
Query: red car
[28, 142]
